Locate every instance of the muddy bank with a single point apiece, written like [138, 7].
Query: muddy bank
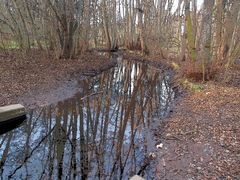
[38, 79]
[155, 61]
[200, 137]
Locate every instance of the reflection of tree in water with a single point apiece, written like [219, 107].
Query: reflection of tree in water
[100, 133]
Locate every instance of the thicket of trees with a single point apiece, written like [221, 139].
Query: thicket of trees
[209, 34]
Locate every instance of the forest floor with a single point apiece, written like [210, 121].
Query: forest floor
[201, 136]
[37, 79]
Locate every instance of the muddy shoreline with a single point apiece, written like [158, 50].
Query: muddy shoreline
[64, 89]
[31, 81]
[201, 135]
[36, 88]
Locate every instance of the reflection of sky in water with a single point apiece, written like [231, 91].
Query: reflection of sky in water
[52, 142]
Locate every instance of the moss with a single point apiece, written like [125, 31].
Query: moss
[10, 45]
[190, 37]
[175, 66]
[194, 87]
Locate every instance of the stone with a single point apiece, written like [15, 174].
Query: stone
[159, 146]
[136, 177]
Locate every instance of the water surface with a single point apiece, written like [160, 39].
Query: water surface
[103, 132]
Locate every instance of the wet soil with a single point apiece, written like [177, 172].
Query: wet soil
[202, 136]
[38, 79]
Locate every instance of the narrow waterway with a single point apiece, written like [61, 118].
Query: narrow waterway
[103, 132]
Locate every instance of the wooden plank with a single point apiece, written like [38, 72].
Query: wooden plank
[11, 112]
[9, 125]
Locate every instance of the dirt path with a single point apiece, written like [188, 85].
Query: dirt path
[38, 79]
[202, 136]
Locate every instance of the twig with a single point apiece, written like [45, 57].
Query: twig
[27, 157]
[83, 98]
[172, 137]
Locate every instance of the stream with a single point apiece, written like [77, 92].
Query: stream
[102, 132]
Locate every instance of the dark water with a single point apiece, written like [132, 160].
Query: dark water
[103, 132]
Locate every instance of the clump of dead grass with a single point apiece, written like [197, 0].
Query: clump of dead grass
[197, 72]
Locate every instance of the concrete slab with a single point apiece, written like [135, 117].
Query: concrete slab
[11, 112]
